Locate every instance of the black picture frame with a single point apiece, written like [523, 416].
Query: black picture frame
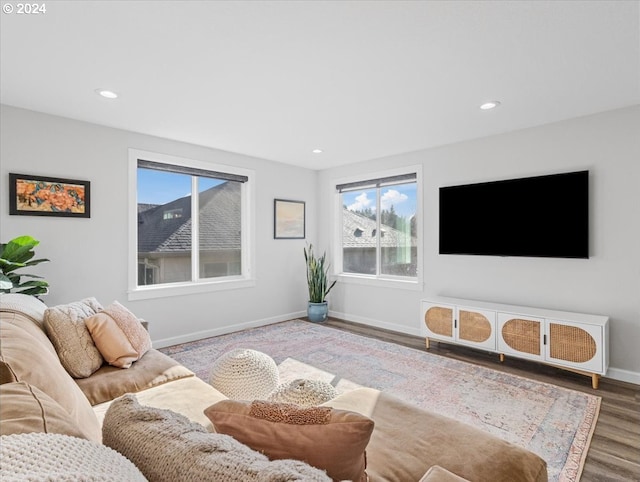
[289, 219]
[31, 195]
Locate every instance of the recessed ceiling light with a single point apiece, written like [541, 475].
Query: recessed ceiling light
[108, 94]
[317, 151]
[492, 104]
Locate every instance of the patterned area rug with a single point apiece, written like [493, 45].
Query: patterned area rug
[554, 422]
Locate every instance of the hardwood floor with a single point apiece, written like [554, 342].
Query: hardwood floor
[614, 453]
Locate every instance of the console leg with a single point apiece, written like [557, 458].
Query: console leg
[426, 342]
[595, 380]
[501, 357]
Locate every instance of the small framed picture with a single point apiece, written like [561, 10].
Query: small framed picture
[49, 196]
[288, 219]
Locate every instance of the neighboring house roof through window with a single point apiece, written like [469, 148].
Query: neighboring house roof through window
[219, 214]
[354, 225]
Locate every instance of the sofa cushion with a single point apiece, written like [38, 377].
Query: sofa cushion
[66, 329]
[29, 306]
[332, 440]
[25, 408]
[166, 446]
[24, 358]
[41, 456]
[109, 382]
[416, 439]
[187, 396]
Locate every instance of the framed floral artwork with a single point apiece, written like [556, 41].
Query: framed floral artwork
[49, 196]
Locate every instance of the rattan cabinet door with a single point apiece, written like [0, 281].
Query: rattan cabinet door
[476, 327]
[438, 320]
[521, 336]
[575, 345]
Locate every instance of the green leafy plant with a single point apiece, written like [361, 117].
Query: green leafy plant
[317, 276]
[17, 254]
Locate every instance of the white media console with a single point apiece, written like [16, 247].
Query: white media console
[573, 341]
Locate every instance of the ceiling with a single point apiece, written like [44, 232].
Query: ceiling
[358, 79]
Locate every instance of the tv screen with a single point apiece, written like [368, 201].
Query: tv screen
[542, 216]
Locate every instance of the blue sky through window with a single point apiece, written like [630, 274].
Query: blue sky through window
[403, 197]
[161, 187]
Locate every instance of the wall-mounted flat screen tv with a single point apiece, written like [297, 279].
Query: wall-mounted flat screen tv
[542, 216]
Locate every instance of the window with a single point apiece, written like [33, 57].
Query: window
[172, 214]
[191, 225]
[378, 227]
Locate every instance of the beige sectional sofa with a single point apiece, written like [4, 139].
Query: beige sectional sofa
[40, 398]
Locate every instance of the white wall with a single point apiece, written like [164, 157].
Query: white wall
[89, 256]
[607, 283]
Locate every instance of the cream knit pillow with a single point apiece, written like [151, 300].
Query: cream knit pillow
[65, 327]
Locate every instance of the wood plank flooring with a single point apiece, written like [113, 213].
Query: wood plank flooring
[614, 453]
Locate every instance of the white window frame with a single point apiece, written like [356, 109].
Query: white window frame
[380, 280]
[244, 280]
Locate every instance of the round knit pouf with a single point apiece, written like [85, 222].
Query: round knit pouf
[244, 374]
[304, 393]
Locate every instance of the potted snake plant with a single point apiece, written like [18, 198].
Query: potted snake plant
[318, 283]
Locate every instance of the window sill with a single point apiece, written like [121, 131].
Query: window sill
[396, 283]
[181, 289]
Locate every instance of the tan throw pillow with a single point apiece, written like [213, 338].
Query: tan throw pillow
[25, 409]
[330, 439]
[167, 447]
[131, 326]
[65, 327]
[111, 341]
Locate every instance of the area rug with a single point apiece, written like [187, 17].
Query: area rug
[554, 422]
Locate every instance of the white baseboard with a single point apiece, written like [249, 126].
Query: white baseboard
[223, 330]
[623, 375]
[613, 373]
[376, 323]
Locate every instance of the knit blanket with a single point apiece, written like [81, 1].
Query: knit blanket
[48, 456]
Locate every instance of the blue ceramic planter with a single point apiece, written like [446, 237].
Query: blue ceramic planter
[317, 312]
